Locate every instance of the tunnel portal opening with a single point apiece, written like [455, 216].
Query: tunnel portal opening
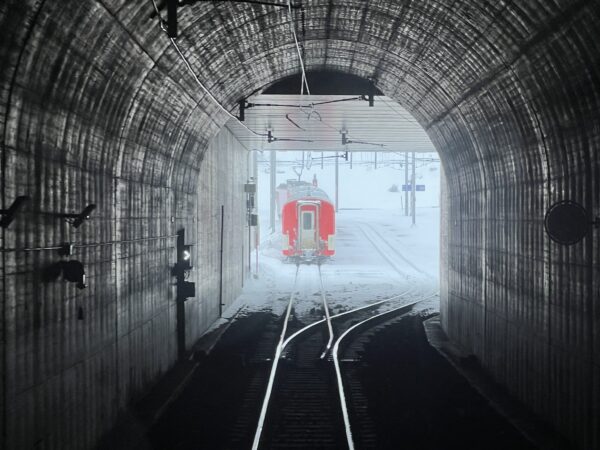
[371, 158]
[346, 124]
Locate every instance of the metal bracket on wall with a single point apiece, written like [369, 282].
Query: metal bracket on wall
[8, 215]
[78, 219]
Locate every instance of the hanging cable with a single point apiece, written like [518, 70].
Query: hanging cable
[293, 28]
[200, 84]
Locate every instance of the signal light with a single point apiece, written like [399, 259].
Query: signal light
[185, 258]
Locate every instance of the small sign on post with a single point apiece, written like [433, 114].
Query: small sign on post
[408, 187]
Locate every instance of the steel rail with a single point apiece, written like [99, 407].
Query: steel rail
[369, 235]
[327, 316]
[278, 350]
[379, 237]
[338, 371]
[284, 343]
[336, 316]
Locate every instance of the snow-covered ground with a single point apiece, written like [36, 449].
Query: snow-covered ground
[379, 253]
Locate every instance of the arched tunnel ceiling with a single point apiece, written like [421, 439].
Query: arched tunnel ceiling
[439, 59]
[473, 74]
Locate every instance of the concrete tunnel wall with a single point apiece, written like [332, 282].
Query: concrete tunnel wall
[98, 107]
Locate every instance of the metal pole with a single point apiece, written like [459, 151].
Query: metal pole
[406, 183]
[273, 191]
[413, 199]
[249, 245]
[322, 160]
[180, 301]
[256, 228]
[221, 263]
[375, 160]
[351, 158]
[337, 177]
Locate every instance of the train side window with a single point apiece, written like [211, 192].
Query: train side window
[307, 221]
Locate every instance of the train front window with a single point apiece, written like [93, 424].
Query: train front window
[307, 222]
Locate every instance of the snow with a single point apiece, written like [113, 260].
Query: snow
[379, 253]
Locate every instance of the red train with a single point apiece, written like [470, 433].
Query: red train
[308, 223]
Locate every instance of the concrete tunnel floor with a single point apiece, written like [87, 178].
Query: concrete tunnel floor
[414, 396]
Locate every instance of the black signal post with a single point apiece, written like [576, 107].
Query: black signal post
[185, 289]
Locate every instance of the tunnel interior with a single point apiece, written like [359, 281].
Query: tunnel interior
[99, 107]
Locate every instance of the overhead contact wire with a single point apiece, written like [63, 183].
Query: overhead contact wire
[200, 84]
[293, 28]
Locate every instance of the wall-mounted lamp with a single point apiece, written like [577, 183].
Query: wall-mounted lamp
[78, 219]
[8, 215]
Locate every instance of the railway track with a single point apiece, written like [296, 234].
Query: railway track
[306, 403]
[396, 259]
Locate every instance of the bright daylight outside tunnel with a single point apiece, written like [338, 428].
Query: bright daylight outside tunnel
[307, 224]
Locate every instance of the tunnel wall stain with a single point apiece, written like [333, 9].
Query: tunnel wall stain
[96, 104]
